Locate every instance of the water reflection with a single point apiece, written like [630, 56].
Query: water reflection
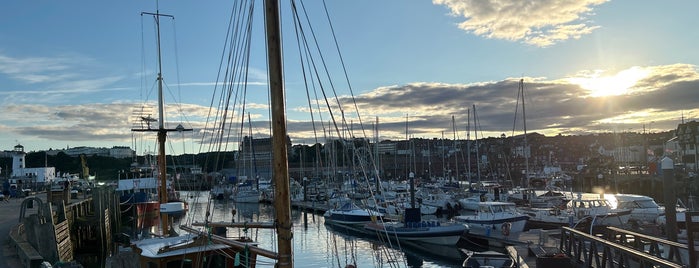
[416, 255]
[315, 243]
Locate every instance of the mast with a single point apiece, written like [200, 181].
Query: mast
[524, 121]
[475, 132]
[253, 160]
[280, 162]
[444, 168]
[162, 131]
[456, 155]
[378, 159]
[468, 146]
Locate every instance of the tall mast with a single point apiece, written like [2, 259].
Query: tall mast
[524, 120]
[162, 131]
[280, 162]
[377, 160]
[253, 160]
[456, 155]
[444, 157]
[468, 146]
[475, 132]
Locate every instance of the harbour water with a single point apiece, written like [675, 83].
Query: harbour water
[315, 244]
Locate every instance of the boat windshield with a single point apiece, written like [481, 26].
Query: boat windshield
[590, 203]
[497, 208]
[647, 203]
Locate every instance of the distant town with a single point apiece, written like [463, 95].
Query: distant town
[493, 158]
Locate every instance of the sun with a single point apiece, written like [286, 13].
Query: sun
[620, 83]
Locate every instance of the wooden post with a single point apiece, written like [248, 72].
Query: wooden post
[670, 198]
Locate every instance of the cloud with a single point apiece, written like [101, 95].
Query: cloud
[35, 69]
[553, 106]
[539, 23]
[50, 80]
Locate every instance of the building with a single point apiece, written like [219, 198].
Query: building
[687, 138]
[121, 152]
[24, 175]
[116, 151]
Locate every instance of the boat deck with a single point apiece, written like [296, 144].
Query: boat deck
[537, 248]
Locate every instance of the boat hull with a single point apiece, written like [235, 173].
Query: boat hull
[502, 226]
[423, 232]
[249, 196]
[357, 217]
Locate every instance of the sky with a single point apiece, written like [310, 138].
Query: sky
[75, 73]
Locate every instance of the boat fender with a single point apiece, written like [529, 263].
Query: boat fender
[505, 228]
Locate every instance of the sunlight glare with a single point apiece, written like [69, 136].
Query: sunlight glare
[614, 85]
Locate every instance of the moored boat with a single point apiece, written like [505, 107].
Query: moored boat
[169, 249]
[643, 208]
[351, 214]
[413, 229]
[580, 213]
[495, 218]
[190, 250]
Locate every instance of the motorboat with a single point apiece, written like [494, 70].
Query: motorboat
[495, 218]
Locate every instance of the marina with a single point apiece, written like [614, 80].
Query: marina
[323, 192]
[353, 244]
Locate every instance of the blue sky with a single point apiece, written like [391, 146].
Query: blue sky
[71, 72]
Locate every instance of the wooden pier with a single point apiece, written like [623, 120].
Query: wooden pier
[612, 247]
[55, 227]
[59, 228]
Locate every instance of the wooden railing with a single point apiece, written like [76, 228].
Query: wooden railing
[592, 251]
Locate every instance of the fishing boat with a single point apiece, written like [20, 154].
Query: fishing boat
[139, 201]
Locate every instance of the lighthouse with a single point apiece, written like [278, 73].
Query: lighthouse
[18, 161]
[21, 174]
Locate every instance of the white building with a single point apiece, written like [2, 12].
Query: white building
[20, 173]
[121, 152]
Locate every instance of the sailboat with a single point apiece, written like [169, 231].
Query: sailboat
[200, 248]
[413, 229]
[248, 190]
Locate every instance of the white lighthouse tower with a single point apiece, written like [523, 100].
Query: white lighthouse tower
[18, 161]
[21, 174]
